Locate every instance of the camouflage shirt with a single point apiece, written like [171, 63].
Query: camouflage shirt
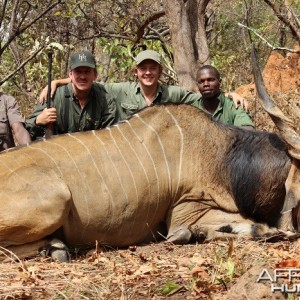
[129, 97]
[9, 114]
[226, 113]
[99, 112]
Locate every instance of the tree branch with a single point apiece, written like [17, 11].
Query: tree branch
[288, 22]
[3, 12]
[22, 64]
[141, 29]
[163, 42]
[18, 31]
[268, 43]
[101, 34]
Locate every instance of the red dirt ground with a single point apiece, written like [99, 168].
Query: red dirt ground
[282, 80]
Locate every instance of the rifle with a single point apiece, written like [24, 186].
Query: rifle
[49, 129]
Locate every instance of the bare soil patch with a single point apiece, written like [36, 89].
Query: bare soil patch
[282, 80]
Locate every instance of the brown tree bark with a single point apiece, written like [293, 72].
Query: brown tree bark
[285, 13]
[186, 19]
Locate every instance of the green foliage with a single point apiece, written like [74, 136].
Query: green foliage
[118, 57]
[230, 43]
[225, 269]
[169, 287]
[116, 30]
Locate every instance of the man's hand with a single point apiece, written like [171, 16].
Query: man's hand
[54, 85]
[21, 134]
[47, 116]
[238, 100]
[44, 92]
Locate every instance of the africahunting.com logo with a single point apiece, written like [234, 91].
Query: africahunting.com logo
[290, 282]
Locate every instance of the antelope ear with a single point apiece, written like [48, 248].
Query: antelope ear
[292, 187]
[294, 153]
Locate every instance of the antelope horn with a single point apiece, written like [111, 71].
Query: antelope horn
[283, 123]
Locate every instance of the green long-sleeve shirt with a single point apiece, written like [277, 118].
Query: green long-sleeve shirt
[129, 97]
[226, 113]
[99, 112]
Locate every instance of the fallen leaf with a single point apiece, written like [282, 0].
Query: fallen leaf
[290, 263]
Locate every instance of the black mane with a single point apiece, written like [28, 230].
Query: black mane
[254, 160]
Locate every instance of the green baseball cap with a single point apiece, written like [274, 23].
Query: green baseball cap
[82, 59]
[148, 54]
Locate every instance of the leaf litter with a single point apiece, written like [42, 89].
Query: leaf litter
[155, 271]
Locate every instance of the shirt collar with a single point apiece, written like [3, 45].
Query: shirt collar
[221, 98]
[75, 99]
[219, 109]
[158, 94]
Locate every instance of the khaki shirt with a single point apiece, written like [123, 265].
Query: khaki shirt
[9, 114]
[130, 99]
[226, 113]
[99, 112]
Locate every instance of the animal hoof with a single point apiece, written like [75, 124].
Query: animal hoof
[60, 255]
[180, 236]
[263, 231]
[57, 250]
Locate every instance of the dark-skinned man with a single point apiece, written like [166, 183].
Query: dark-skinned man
[214, 102]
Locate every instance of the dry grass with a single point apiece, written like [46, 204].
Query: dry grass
[157, 271]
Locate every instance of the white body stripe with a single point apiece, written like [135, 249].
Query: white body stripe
[181, 149]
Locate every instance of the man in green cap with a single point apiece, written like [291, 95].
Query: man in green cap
[146, 91]
[78, 106]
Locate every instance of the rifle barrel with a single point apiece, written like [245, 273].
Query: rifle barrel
[49, 79]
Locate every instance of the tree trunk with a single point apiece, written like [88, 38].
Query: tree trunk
[186, 19]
